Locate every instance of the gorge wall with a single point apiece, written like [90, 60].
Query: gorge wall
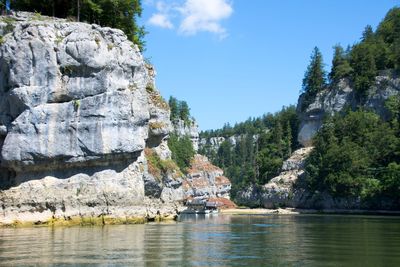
[79, 109]
[289, 189]
[341, 96]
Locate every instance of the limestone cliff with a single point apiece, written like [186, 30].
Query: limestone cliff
[78, 106]
[204, 180]
[83, 128]
[341, 96]
[190, 129]
[212, 144]
[282, 190]
[288, 189]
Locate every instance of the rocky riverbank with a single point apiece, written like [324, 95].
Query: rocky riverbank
[294, 211]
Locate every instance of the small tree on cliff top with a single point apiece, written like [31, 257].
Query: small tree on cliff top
[340, 65]
[315, 77]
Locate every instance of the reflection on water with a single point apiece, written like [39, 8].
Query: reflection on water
[278, 240]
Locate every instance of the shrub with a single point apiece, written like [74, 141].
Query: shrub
[159, 167]
[182, 150]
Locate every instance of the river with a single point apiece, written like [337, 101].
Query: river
[219, 240]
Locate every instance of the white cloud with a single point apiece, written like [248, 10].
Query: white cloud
[193, 16]
[161, 20]
[204, 15]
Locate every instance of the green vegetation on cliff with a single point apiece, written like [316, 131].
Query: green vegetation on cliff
[179, 110]
[314, 79]
[180, 146]
[358, 155]
[377, 51]
[121, 14]
[182, 150]
[357, 152]
[159, 167]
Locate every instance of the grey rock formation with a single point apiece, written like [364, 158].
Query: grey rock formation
[249, 196]
[78, 110]
[71, 93]
[191, 130]
[78, 105]
[213, 143]
[204, 180]
[341, 96]
[281, 191]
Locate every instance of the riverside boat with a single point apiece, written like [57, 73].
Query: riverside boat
[200, 206]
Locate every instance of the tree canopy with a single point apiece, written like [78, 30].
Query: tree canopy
[357, 155]
[179, 110]
[120, 14]
[182, 150]
[375, 52]
[314, 80]
[340, 65]
[260, 146]
[315, 77]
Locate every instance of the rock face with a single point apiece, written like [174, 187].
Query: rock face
[71, 93]
[78, 106]
[83, 129]
[249, 196]
[191, 130]
[213, 143]
[340, 97]
[204, 180]
[280, 191]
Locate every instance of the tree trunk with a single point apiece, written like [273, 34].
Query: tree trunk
[79, 10]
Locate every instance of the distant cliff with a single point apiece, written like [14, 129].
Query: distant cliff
[289, 188]
[280, 191]
[341, 96]
[190, 129]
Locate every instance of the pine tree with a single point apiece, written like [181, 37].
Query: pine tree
[182, 150]
[340, 65]
[368, 34]
[315, 77]
[173, 105]
[184, 112]
[3, 6]
[288, 140]
[364, 67]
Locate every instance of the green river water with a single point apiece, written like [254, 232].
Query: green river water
[219, 240]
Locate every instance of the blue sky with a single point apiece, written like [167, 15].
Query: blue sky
[235, 59]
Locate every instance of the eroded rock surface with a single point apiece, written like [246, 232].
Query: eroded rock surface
[281, 191]
[190, 129]
[341, 96]
[78, 106]
[205, 180]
